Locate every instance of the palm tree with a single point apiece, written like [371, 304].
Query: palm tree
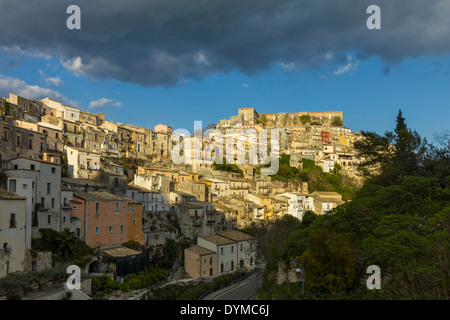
[66, 242]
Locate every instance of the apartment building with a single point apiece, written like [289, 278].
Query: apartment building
[46, 190]
[102, 219]
[12, 236]
[231, 250]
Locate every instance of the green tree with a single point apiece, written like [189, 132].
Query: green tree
[6, 107]
[337, 121]
[329, 262]
[306, 118]
[66, 242]
[125, 288]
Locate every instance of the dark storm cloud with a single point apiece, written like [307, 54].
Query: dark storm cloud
[163, 41]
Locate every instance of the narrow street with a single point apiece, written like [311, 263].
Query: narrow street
[245, 290]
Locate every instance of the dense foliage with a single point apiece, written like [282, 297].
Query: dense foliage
[64, 245]
[224, 166]
[399, 220]
[317, 179]
[103, 285]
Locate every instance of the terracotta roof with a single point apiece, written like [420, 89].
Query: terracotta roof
[121, 252]
[200, 250]
[101, 196]
[235, 235]
[36, 160]
[5, 194]
[216, 239]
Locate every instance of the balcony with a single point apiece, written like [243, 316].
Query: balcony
[196, 222]
[5, 252]
[65, 205]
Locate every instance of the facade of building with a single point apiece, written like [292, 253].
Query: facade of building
[233, 250]
[12, 236]
[46, 190]
[102, 219]
[200, 262]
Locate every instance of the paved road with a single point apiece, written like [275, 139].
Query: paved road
[246, 290]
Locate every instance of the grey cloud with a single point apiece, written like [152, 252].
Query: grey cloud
[159, 42]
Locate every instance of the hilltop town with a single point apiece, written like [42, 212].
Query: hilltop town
[114, 184]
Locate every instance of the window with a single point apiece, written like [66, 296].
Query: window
[49, 219]
[121, 228]
[12, 185]
[53, 203]
[49, 187]
[97, 208]
[210, 260]
[221, 250]
[12, 221]
[18, 141]
[53, 170]
[241, 247]
[32, 167]
[42, 147]
[132, 208]
[117, 206]
[134, 221]
[97, 230]
[30, 145]
[110, 229]
[232, 249]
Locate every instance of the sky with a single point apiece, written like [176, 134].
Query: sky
[176, 62]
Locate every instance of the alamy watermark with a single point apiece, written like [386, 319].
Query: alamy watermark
[374, 281]
[74, 280]
[236, 146]
[74, 20]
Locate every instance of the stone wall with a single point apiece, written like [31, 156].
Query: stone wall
[287, 271]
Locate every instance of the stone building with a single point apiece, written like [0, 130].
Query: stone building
[20, 142]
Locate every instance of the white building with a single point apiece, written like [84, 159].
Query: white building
[69, 113]
[23, 187]
[234, 250]
[154, 201]
[225, 248]
[46, 190]
[81, 162]
[12, 236]
[326, 165]
[298, 203]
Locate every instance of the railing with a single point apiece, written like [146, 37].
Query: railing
[5, 252]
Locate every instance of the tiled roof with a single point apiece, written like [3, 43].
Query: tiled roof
[121, 252]
[235, 235]
[190, 205]
[200, 250]
[5, 194]
[216, 239]
[101, 196]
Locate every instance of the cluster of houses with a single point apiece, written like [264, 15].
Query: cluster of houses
[60, 169]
